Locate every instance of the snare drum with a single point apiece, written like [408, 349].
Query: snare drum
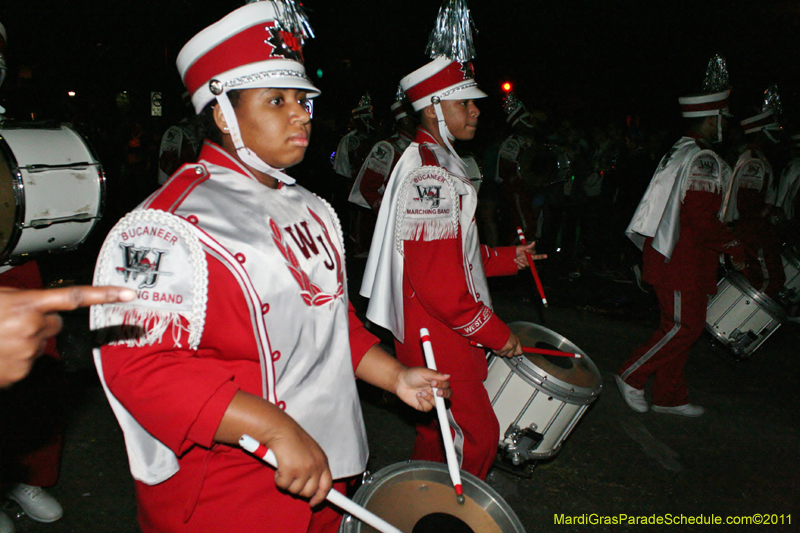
[790, 293]
[52, 189]
[404, 493]
[538, 399]
[740, 317]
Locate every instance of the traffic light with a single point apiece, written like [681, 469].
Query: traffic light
[506, 86]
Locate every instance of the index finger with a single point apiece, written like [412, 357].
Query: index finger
[70, 298]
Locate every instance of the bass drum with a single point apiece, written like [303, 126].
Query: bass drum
[543, 165]
[404, 494]
[538, 399]
[52, 189]
[740, 317]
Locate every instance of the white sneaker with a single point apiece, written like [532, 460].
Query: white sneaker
[6, 525]
[36, 503]
[633, 397]
[686, 409]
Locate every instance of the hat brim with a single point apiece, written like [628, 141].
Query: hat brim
[269, 74]
[470, 93]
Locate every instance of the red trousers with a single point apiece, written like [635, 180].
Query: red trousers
[683, 318]
[478, 431]
[30, 436]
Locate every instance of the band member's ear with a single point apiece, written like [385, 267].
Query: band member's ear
[429, 112]
[219, 119]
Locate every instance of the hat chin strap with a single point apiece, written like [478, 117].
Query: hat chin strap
[246, 154]
[769, 136]
[444, 131]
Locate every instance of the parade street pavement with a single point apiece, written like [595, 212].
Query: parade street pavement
[739, 461]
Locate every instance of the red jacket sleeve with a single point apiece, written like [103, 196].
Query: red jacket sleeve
[499, 261]
[178, 398]
[701, 208]
[180, 395]
[435, 270]
[361, 340]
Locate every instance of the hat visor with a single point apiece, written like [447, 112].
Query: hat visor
[469, 93]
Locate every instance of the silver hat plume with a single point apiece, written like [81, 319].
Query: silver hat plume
[451, 37]
[716, 78]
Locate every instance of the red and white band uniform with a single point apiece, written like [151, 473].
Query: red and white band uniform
[752, 187]
[508, 171]
[371, 181]
[268, 316]
[680, 252]
[426, 268]
[788, 188]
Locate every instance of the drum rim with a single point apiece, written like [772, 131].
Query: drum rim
[791, 257]
[563, 170]
[470, 484]
[764, 301]
[18, 191]
[563, 390]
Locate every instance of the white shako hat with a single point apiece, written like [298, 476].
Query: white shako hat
[768, 120]
[364, 108]
[516, 111]
[442, 78]
[713, 100]
[398, 110]
[705, 105]
[763, 121]
[258, 45]
[398, 107]
[450, 76]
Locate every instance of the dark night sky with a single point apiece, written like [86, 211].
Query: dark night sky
[585, 59]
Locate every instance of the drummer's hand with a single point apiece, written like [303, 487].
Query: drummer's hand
[302, 465]
[29, 317]
[415, 387]
[521, 260]
[513, 347]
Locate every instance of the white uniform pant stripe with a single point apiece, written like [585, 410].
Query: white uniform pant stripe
[676, 317]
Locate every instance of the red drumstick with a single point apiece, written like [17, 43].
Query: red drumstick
[542, 351]
[533, 268]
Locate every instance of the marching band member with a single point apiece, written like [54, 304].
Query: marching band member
[787, 198]
[515, 192]
[243, 324]
[752, 186]
[371, 181]
[678, 228]
[427, 269]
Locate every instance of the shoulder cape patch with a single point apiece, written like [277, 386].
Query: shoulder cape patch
[427, 206]
[704, 173]
[158, 255]
[752, 175]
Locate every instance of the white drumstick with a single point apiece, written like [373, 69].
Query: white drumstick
[444, 423]
[335, 497]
